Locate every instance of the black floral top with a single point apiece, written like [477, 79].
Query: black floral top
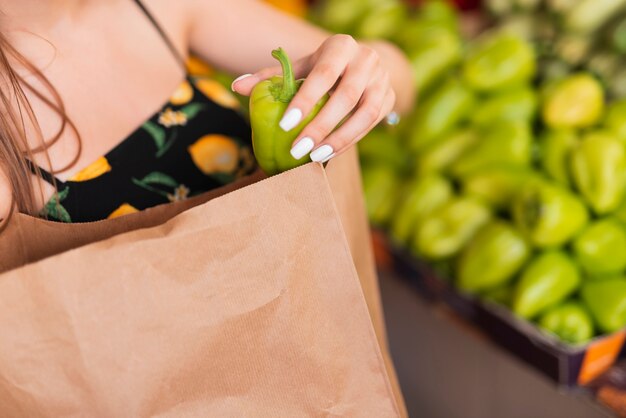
[197, 141]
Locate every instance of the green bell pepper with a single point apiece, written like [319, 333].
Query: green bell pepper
[615, 119]
[445, 150]
[504, 142]
[547, 213]
[380, 188]
[555, 148]
[598, 164]
[601, 247]
[268, 102]
[340, 16]
[498, 61]
[421, 197]
[431, 59]
[496, 184]
[548, 280]
[606, 300]
[519, 104]
[576, 101]
[445, 232]
[501, 295]
[571, 322]
[492, 258]
[383, 146]
[382, 21]
[439, 113]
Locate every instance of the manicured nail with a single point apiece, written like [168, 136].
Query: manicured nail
[302, 148]
[322, 153]
[241, 77]
[290, 120]
[328, 158]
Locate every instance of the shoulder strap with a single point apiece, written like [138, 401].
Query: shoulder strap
[45, 175]
[162, 33]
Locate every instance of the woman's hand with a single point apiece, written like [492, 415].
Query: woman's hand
[360, 89]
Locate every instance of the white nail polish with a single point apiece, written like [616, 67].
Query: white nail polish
[322, 153]
[328, 158]
[290, 120]
[302, 148]
[241, 77]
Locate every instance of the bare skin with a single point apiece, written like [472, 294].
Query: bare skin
[113, 71]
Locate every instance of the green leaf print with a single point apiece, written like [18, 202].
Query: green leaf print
[192, 109]
[157, 177]
[168, 144]
[55, 209]
[157, 134]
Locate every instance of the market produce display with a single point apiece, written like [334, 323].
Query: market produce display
[509, 177]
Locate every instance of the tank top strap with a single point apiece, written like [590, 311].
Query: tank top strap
[44, 174]
[168, 42]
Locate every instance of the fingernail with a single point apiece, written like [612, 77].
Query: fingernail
[290, 120]
[328, 158]
[322, 153]
[302, 148]
[241, 77]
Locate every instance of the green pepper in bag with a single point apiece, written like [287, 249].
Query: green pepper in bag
[268, 102]
[615, 119]
[576, 101]
[439, 113]
[504, 142]
[496, 184]
[422, 196]
[493, 257]
[445, 232]
[555, 149]
[548, 280]
[601, 247]
[380, 188]
[571, 322]
[598, 165]
[519, 104]
[499, 61]
[445, 150]
[606, 300]
[547, 213]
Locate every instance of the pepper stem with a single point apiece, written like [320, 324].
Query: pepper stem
[288, 88]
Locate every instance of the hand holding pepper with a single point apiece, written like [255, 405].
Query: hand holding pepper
[361, 96]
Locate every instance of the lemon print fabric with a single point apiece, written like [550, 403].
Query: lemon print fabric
[94, 170]
[182, 95]
[124, 209]
[198, 68]
[217, 92]
[294, 7]
[214, 154]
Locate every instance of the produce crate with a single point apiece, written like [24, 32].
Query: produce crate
[568, 366]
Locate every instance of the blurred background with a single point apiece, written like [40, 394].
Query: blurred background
[497, 207]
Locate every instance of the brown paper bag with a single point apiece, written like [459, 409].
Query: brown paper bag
[87, 273]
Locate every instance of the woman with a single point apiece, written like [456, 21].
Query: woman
[97, 103]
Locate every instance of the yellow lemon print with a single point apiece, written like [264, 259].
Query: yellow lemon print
[294, 7]
[197, 67]
[182, 95]
[218, 93]
[95, 169]
[124, 209]
[215, 154]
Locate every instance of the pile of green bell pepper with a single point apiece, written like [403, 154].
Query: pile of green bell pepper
[509, 176]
